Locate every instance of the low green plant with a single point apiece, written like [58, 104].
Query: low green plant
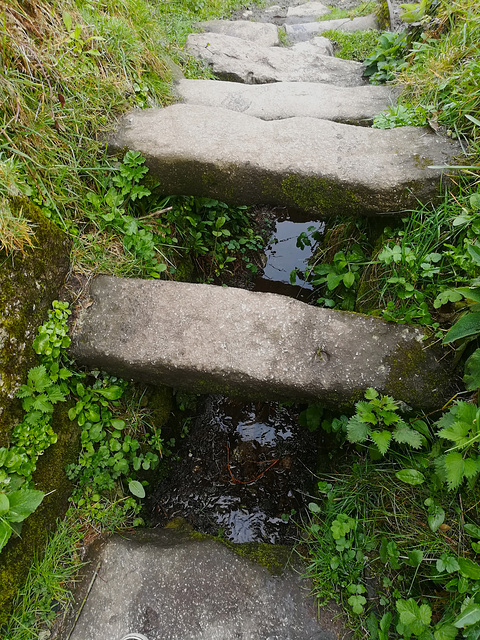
[339, 280]
[362, 9]
[388, 59]
[377, 422]
[401, 116]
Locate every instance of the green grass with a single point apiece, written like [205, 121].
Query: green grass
[363, 9]
[357, 45]
[48, 588]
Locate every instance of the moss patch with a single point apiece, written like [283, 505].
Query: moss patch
[28, 285]
[50, 476]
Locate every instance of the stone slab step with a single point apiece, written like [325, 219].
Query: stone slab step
[238, 60]
[261, 33]
[175, 585]
[279, 100]
[305, 31]
[307, 12]
[318, 166]
[210, 339]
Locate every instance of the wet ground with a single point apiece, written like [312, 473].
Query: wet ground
[289, 249]
[245, 468]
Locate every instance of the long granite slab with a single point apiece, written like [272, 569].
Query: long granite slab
[238, 60]
[261, 33]
[208, 339]
[305, 31]
[279, 100]
[314, 165]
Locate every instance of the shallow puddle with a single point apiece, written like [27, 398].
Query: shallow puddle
[245, 468]
[288, 250]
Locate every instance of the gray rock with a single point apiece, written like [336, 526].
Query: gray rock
[262, 33]
[168, 584]
[302, 32]
[315, 45]
[279, 100]
[307, 12]
[314, 165]
[207, 339]
[242, 61]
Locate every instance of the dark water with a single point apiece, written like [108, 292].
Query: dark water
[244, 465]
[283, 255]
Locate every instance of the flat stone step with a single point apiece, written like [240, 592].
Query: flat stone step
[261, 33]
[238, 60]
[169, 584]
[307, 12]
[301, 32]
[210, 339]
[280, 100]
[318, 166]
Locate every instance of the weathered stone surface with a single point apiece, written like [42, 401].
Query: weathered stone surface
[262, 33]
[237, 60]
[28, 284]
[280, 100]
[214, 339]
[305, 31]
[315, 165]
[307, 12]
[169, 584]
[315, 45]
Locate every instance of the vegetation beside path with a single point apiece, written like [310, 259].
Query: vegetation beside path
[394, 533]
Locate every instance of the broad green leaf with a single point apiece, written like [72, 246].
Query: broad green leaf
[470, 615]
[136, 488]
[472, 530]
[471, 468]
[415, 557]
[333, 280]
[118, 424]
[405, 435]
[39, 378]
[314, 508]
[469, 568]
[349, 279]
[371, 394]
[357, 430]
[67, 20]
[447, 563]
[5, 533]
[454, 468]
[4, 504]
[445, 632]
[466, 326]
[474, 252]
[410, 476]
[382, 440]
[475, 200]
[470, 293]
[23, 503]
[111, 393]
[357, 603]
[472, 371]
[436, 517]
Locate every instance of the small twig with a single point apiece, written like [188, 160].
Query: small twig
[248, 481]
[156, 213]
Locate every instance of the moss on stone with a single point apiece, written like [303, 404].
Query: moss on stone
[435, 384]
[319, 194]
[382, 14]
[49, 477]
[274, 557]
[28, 285]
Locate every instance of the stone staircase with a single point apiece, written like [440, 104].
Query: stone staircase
[284, 133]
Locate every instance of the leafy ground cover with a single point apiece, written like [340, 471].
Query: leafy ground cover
[393, 534]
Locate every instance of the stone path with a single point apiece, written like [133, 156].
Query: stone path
[311, 154]
[285, 132]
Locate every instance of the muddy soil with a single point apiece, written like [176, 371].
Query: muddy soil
[244, 470]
